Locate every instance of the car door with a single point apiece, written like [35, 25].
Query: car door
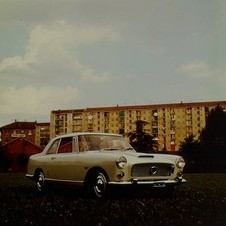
[47, 160]
[63, 162]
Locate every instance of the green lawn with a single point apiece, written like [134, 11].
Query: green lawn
[201, 201]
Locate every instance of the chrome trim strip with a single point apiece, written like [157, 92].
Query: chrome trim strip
[64, 181]
[30, 176]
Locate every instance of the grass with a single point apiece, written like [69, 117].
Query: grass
[201, 201]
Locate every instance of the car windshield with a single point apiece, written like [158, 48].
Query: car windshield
[95, 142]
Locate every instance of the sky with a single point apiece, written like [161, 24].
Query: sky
[76, 54]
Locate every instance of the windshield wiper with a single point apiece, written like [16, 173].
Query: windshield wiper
[118, 149]
[111, 149]
[127, 149]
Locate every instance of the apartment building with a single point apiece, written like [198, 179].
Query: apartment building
[42, 134]
[169, 124]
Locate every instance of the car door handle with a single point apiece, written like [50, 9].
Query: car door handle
[52, 158]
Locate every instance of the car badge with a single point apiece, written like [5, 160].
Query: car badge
[153, 170]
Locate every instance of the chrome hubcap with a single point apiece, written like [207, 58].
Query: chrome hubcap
[40, 182]
[100, 185]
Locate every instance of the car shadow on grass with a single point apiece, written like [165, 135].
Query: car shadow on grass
[125, 193]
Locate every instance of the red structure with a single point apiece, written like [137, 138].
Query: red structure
[15, 154]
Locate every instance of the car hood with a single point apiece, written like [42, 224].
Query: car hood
[139, 157]
[150, 157]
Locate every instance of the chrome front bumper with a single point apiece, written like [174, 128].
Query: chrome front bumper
[155, 183]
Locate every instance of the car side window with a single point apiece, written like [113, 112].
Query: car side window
[83, 146]
[53, 148]
[65, 145]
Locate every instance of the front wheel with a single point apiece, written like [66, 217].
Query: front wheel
[40, 181]
[97, 185]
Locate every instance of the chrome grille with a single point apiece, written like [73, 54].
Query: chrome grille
[152, 169]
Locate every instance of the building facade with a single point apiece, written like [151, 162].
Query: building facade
[42, 134]
[34, 132]
[25, 130]
[169, 124]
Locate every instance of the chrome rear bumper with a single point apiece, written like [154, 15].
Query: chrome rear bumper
[29, 176]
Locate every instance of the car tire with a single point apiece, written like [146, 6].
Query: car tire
[97, 185]
[40, 181]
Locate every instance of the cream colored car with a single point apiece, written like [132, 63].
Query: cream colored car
[99, 160]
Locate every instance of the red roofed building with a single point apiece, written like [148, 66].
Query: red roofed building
[19, 140]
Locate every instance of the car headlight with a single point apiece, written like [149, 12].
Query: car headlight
[121, 162]
[180, 163]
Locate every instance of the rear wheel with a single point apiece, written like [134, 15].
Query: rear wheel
[40, 181]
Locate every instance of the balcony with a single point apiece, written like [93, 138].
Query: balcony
[77, 117]
[121, 113]
[188, 111]
[138, 113]
[155, 130]
[121, 119]
[189, 123]
[173, 118]
[106, 114]
[89, 117]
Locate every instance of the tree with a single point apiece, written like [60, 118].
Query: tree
[213, 140]
[189, 144]
[191, 151]
[208, 153]
[141, 141]
[213, 136]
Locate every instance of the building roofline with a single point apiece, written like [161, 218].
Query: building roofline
[147, 106]
[43, 123]
[20, 125]
[68, 110]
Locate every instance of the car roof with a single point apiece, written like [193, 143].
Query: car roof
[86, 133]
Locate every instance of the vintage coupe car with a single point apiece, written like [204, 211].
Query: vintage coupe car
[99, 160]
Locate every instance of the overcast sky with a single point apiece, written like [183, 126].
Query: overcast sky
[73, 54]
